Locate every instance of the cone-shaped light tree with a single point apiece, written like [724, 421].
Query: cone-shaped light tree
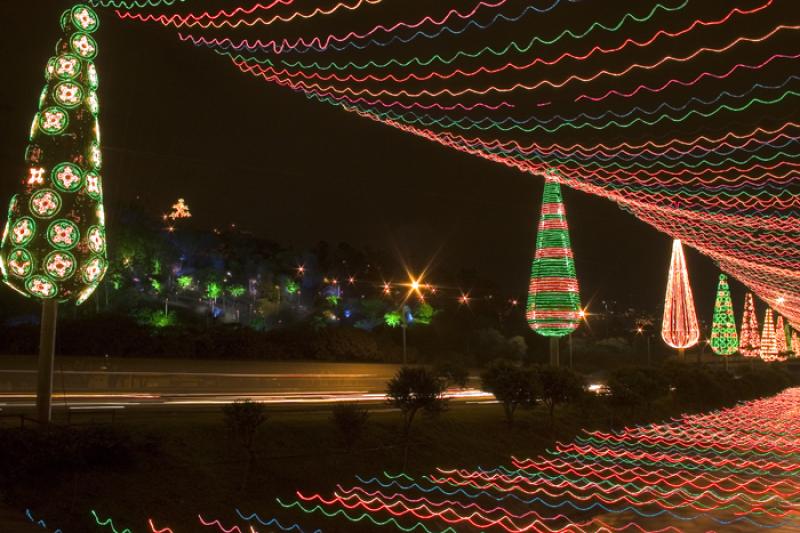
[679, 328]
[54, 247]
[554, 305]
[781, 344]
[724, 340]
[750, 340]
[769, 348]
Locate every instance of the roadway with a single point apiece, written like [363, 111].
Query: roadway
[84, 383]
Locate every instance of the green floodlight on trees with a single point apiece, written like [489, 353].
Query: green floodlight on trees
[53, 246]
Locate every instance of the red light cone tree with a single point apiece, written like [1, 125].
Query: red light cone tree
[679, 328]
[54, 246]
[781, 343]
[554, 303]
[769, 347]
[724, 340]
[750, 340]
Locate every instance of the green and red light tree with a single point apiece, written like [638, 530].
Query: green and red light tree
[554, 304]
[724, 340]
[54, 243]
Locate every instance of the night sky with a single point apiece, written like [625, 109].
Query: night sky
[181, 122]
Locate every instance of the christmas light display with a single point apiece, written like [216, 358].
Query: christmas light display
[795, 347]
[724, 340]
[679, 327]
[781, 343]
[750, 342]
[54, 246]
[769, 345]
[710, 163]
[179, 210]
[735, 468]
[553, 300]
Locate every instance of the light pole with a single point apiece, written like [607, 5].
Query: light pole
[404, 326]
[640, 331]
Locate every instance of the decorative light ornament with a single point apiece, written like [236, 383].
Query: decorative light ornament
[553, 299]
[781, 343]
[769, 346]
[56, 223]
[679, 328]
[750, 342]
[180, 210]
[724, 340]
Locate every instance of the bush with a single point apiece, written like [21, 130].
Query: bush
[559, 385]
[452, 373]
[511, 385]
[635, 386]
[413, 389]
[244, 418]
[350, 421]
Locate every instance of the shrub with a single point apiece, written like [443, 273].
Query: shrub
[413, 389]
[511, 385]
[350, 421]
[559, 385]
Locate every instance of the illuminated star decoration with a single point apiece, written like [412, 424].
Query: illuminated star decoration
[679, 328]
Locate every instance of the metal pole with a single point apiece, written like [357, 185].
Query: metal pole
[553, 351]
[47, 348]
[681, 354]
[648, 351]
[570, 350]
[405, 356]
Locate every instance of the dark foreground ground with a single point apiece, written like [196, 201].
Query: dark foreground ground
[175, 466]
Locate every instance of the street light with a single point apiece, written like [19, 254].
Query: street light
[415, 286]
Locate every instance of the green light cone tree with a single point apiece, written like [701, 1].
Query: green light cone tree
[554, 303]
[724, 339]
[53, 246]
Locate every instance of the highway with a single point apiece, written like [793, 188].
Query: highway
[98, 383]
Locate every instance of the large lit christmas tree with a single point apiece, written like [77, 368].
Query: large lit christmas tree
[53, 247]
[554, 304]
[750, 340]
[781, 343]
[679, 328]
[724, 340]
[769, 347]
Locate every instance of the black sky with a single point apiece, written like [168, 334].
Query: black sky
[181, 122]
